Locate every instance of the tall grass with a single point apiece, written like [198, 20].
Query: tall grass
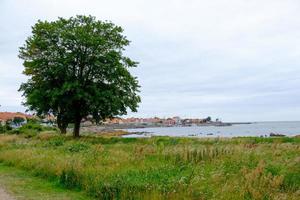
[161, 167]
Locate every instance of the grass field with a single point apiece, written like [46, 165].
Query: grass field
[24, 186]
[160, 167]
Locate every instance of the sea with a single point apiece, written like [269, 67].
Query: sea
[255, 129]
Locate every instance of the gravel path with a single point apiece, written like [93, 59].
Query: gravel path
[4, 195]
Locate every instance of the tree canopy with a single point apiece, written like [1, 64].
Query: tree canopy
[77, 68]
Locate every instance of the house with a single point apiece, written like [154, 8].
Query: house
[9, 116]
[169, 122]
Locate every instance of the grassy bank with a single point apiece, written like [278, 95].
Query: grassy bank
[161, 167]
[24, 186]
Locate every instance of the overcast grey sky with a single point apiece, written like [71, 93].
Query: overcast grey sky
[238, 60]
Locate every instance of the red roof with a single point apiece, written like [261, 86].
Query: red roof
[4, 116]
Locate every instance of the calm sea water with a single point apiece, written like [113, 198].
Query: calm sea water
[254, 129]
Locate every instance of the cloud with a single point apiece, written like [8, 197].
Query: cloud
[238, 60]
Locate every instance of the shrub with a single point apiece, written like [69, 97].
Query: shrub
[7, 126]
[2, 129]
[31, 129]
[31, 126]
[14, 131]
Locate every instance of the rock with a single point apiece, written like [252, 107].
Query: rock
[276, 135]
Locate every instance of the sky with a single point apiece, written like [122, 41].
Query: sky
[237, 60]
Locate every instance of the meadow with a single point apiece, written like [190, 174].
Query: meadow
[110, 167]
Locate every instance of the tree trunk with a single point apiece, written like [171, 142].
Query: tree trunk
[63, 130]
[76, 127]
[61, 124]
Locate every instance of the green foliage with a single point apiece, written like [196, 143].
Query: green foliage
[5, 128]
[166, 141]
[161, 167]
[25, 186]
[33, 121]
[18, 120]
[69, 178]
[292, 180]
[31, 129]
[76, 68]
[2, 129]
[55, 142]
[77, 147]
[274, 169]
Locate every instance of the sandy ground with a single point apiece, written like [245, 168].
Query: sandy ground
[5, 196]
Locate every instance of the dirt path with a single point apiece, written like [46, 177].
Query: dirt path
[4, 195]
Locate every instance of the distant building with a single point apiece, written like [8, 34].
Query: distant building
[171, 121]
[9, 116]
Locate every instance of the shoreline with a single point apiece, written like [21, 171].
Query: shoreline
[139, 126]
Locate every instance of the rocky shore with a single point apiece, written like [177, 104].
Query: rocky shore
[135, 126]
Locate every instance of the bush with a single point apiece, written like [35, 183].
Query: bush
[5, 128]
[31, 126]
[31, 129]
[2, 129]
[14, 131]
[26, 132]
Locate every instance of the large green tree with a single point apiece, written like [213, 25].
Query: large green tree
[77, 68]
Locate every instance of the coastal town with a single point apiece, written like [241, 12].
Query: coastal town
[162, 122]
[17, 118]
